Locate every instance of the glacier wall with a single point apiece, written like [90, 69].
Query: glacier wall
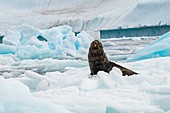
[30, 5]
[84, 14]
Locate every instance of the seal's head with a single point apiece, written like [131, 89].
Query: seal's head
[96, 45]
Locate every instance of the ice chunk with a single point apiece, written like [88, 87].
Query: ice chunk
[159, 48]
[136, 107]
[6, 49]
[16, 97]
[7, 75]
[6, 60]
[89, 84]
[111, 110]
[113, 79]
[32, 52]
[36, 76]
[42, 85]
[58, 41]
[106, 80]
[12, 38]
[26, 33]
[84, 40]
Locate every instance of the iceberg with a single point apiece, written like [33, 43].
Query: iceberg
[159, 48]
[16, 97]
[28, 42]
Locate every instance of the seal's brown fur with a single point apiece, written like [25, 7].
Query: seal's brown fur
[98, 60]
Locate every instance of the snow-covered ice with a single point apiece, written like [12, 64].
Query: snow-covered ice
[62, 85]
[44, 69]
[16, 98]
[72, 91]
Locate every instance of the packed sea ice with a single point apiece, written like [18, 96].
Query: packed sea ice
[33, 83]
[72, 91]
[24, 42]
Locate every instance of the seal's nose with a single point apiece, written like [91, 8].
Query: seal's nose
[95, 45]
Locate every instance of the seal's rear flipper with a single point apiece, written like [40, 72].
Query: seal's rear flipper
[124, 70]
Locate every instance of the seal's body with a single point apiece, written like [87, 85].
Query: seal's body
[98, 60]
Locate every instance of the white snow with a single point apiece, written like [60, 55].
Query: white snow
[62, 85]
[72, 91]
[52, 75]
[16, 97]
[84, 14]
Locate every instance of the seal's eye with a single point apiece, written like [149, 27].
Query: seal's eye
[100, 45]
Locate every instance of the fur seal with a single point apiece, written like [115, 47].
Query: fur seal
[98, 60]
